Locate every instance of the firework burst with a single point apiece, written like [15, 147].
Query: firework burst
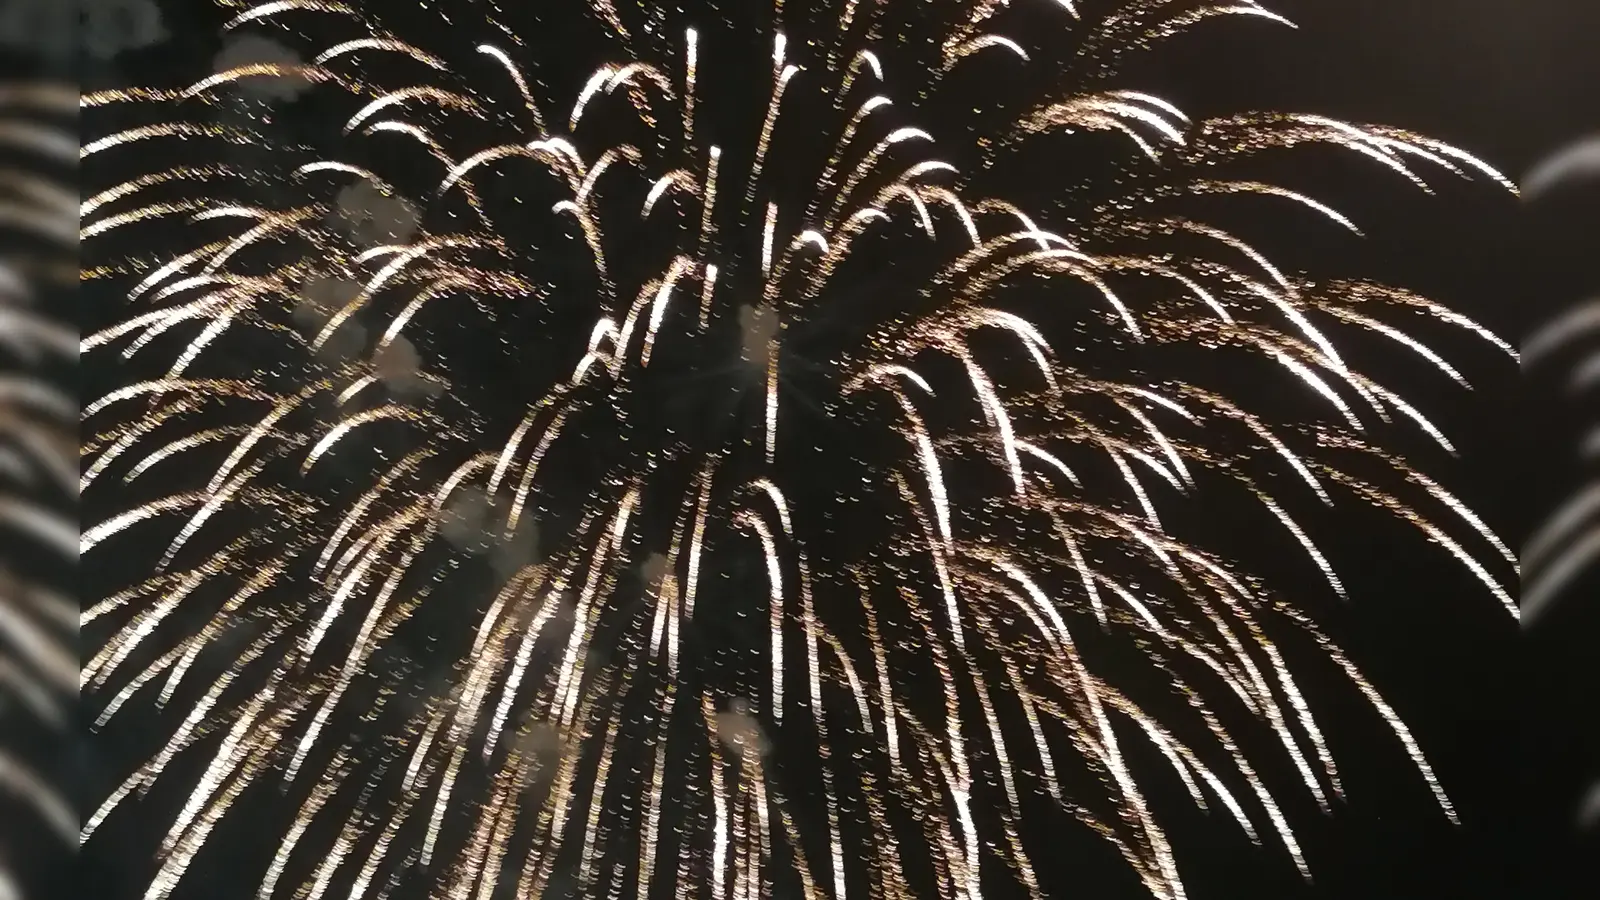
[816, 495]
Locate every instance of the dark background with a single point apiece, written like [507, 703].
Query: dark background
[1509, 82]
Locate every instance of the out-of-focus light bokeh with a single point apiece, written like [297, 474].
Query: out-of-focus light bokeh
[38, 485]
[1561, 556]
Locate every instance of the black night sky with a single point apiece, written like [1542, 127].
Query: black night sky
[1502, 80]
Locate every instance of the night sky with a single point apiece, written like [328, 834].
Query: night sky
[1507, 86]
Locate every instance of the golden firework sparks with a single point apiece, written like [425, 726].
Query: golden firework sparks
[590, 704]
